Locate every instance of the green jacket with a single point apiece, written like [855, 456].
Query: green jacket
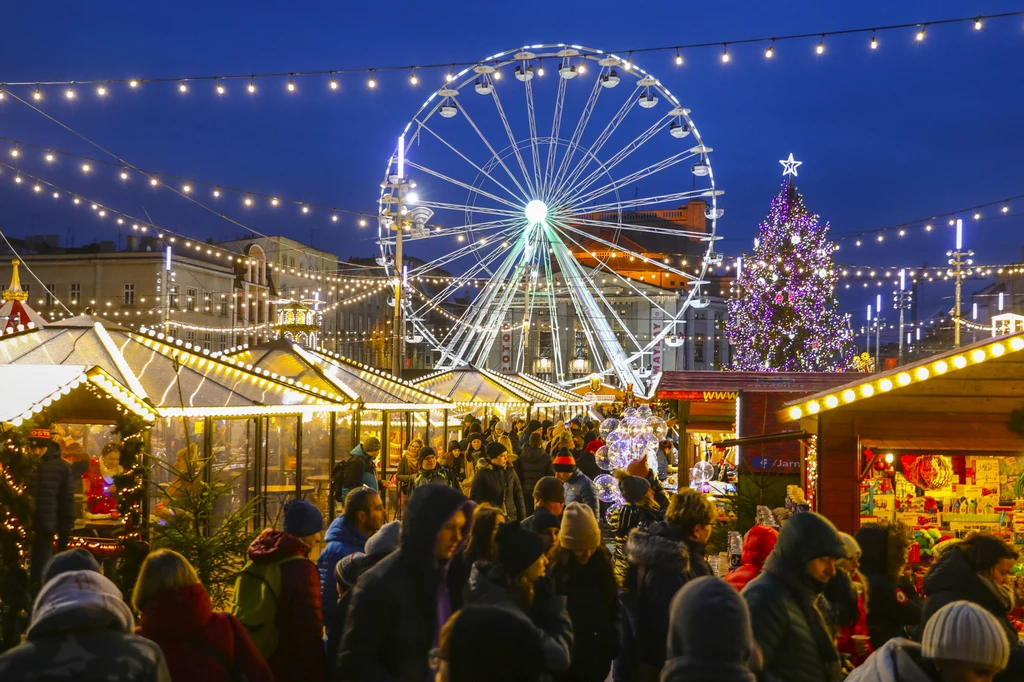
[788, 627]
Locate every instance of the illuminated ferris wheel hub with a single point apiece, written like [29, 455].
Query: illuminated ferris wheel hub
[535, 220]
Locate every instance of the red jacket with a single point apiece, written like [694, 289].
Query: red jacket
[844, 642]
[758, 544]
[98, 493]
[300, 655]
[183, 624]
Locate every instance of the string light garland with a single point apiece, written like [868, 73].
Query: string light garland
[104, 86]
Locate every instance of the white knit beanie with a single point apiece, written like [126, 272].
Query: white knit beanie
[962, 631]
[579, 529]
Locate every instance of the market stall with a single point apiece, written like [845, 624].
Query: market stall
[480, 393]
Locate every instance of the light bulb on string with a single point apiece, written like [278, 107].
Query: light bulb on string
[629, 62]
[273, 201]
[186, 188]
[770, 52]
[334, 217]
[133, 84]
[220, 89]
[291, 85]
[413, 80]
[101, 90]
[86, 168]
[362, 223]
[1006, 208]
[124, 174]
[820, 49]
[333, 83]
[69, 93]
[725, 53]
[874, 41]
[182, 87]
[154, 182]
[37, 95]
[49, 158]
[252, 86]
[248, 201]
[216, 193]
[920, 35]
[977, 24]
[371, 83]
[679, 58]
[540, 67]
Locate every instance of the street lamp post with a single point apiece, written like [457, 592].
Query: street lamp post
[958, 260]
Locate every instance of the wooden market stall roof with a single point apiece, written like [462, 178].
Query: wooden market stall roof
[985, 378]
[543, 393]
[176, 377]
[475, 387]
[559, 392]
[684, 385]
[84, 392]
[377, 390]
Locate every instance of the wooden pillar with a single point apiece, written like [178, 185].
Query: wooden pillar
[298, 457]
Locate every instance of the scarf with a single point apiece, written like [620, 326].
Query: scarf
[806, 591]
[1003, 593]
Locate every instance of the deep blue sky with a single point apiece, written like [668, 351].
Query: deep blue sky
[907, 131]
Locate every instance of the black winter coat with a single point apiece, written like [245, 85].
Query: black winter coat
[592, 601]
[951, 579]
[622, 521]
[499, 487]
[533, 464]
[392, 620]
[54, 494]
[893, 607]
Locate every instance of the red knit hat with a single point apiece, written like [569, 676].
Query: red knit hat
[564, 461]
[638, 467]
[594, 445]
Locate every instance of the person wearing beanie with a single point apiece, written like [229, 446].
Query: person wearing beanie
[358, 470]
[514, 581]
[578, 487]
[347, 534]
[532, 427]
[460, 467]
[796, 643]
[477, 636]
[429, 470]
[76, 559]
[496, 482]
[581, 571]
[639, 511]
[533, 464]
[281, 558]
[661, 559]
[638, 467]
[697, 652]
[396, 610]
[474, 447]
[549, 502]
[757, 545]
[846, 601]
[962, 642]
[975, 570]
[895, 604]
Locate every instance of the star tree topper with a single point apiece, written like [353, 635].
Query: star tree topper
[789, 166]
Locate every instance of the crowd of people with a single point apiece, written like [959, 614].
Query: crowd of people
[524, 583]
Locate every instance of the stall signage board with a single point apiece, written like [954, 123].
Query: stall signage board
[506, 348]
[701, 396]
[657, 325]
[986, 471]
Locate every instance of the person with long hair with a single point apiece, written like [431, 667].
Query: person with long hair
[486, 519]
[895, 605]
[581, 570]
[515, 581]
[409, 466]
[197, 642]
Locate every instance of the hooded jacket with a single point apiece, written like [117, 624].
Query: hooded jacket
[659, 564]
[300, 652]
[197, 643]
[342, 539]
[488, 585]
[579, 488]
[533, 464]
[500, 487]
[393, 617]
[369, 474]
[899, 660]
[82, 630]
[54, 494]
[758, 544]
[794, 639]
[894, 606]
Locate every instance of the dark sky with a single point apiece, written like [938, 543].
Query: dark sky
[904, 132]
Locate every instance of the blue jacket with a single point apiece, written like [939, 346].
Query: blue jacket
[580, 489]
[342, 539]
[369, 476]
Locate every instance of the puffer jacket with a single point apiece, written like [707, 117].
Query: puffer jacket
[54, 493]
[499, 487]
[198, 643]
[533, 464]
[895, 604]
[758, 544]
[342, 539]
[299, 656]
[623, 520]
[579, 488]
[898, 661]
[82, 630]
[488, 584]
[794, 639]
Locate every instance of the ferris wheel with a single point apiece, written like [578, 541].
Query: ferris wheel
[526, 177]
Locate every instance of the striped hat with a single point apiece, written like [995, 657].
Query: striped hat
[564, 461]
[962, 631]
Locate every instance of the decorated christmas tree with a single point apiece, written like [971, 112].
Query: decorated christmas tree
[785, 318]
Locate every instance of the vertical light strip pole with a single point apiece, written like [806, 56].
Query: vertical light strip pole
[166, 298]
[903, 300]
[867, 334]
[398, 224]
[959, 259]
[878, 329]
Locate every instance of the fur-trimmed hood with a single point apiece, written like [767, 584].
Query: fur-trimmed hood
[883, 549]
[658, 546]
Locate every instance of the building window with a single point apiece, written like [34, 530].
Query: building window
[207, 337]
[718, 353]
[223, 306]
[223, 341]
[191, 294]
[190, 336]
[76, 293]
[699, 316]
[129, 293]
[51, 295]
[175, 302]
[698, 348]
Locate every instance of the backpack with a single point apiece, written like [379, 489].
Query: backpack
[257, 590]
[347, 475]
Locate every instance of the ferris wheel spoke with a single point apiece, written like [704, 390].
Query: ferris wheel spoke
[463, 185]
[452, 231]
[556, 125]
[465, 158]
[616, 248]
[634, 177]
[638, 142]
[641, 201]
[512, 142]
[534, 149]
[460, 252]
[486, 210]
[604, 266]
[616, 225]
[602, 139]
[581, 126]
[494, 154]
[556, 341]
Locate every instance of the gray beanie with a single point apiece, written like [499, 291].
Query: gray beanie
[962, 631]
